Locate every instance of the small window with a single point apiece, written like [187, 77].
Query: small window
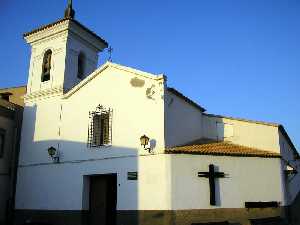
[81, 61]
[5, 95]
[100, 127]
[46, 66]
[2, 141]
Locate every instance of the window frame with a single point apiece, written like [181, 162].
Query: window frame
[2, 144]
[46, 75]
[97, 140]
[81, 65]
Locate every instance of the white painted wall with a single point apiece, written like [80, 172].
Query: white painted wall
[261, 136]
[65, 40]
[164, 182]
[57, 45]
[75, 45]
[249, 179]
[292, 183]
[183, 122]
[48, 186]
[63, 123]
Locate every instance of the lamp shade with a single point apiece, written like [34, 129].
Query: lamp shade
[144, 140]
[51, 151]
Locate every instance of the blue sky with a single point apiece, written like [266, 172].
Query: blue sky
[234, 57]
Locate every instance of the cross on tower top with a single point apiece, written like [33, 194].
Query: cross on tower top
[110, 50]
[69, 12]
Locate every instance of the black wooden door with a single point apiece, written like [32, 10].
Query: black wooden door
[103, 199]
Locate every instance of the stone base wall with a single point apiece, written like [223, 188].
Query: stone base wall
[151, 217]
[51, 217]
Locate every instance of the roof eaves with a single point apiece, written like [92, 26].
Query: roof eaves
[285, 134]
[105, 66]
[62, 20]
[44, 27]
[14, 87]
[223, 154]
[243, 120]
[186, 99]
[222, 149]
[9, 105]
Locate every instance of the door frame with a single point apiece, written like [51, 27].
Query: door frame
[113, 176]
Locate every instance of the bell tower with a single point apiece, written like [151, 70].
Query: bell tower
[62, 54]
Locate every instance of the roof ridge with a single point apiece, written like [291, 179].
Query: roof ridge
[243, 119]
[224, 148]
[221, 143]
[102, 68]
[185, 98]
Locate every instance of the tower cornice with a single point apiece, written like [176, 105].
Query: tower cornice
[59, 26]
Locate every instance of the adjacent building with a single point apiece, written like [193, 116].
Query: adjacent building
[10, 129]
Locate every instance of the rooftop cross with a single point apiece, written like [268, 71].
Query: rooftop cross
[69, 12]
[110, 50]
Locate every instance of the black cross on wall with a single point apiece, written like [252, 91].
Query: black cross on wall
[212, 175]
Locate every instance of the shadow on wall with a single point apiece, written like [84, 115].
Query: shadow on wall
[86, 186]
[79, 191]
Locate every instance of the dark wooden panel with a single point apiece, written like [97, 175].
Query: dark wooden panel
[261, 204]
[103, 199]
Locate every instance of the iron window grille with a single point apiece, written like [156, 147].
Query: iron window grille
[100, 127]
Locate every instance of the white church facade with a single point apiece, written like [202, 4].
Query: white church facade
[115, 145]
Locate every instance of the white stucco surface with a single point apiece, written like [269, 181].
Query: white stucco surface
[244, 181]
[166, 182]
[244, 133]
[57, 113]
[183, 121]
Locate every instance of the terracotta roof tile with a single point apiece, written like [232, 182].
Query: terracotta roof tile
[222, 149]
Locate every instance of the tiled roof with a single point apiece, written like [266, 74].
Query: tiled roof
[222, 149]
[60, 21]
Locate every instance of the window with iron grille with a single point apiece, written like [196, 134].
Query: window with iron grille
[100, 128]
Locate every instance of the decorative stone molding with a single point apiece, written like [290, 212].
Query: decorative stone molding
[57, 51]
[62, 35]
[51, 31]
[46, 93]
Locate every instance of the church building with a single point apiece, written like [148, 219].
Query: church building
[117, 146]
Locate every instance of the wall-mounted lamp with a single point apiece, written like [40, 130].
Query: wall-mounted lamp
[145, 142]
[53, 153]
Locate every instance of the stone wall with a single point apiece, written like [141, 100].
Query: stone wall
[151, 217]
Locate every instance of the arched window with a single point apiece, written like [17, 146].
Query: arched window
[81, 61]
[46, 66]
